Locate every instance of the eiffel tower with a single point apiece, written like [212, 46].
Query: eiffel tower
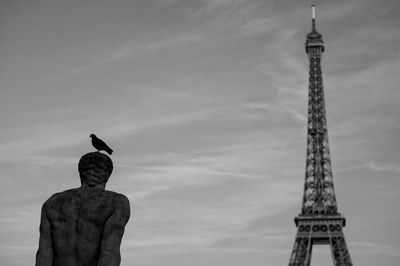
[319, 221]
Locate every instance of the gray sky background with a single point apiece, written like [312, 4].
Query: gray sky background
[204, 103]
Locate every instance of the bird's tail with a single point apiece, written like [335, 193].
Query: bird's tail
[109, 151]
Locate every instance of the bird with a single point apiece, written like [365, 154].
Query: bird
[100, 145]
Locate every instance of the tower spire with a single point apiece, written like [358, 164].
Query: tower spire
[313, 17]
[319, 221]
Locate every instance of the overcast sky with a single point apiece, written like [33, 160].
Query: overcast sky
[204, 103]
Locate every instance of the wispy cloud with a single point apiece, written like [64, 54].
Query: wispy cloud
[127, 50]
[374, 248]
[134, 48]
[225, 14]
[53, 135]
[378, 167]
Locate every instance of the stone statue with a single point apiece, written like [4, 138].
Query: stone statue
[84, 226]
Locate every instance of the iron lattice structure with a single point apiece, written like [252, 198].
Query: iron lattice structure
[319, 221]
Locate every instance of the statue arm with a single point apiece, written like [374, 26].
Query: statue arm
[113, 232]
[44, 255]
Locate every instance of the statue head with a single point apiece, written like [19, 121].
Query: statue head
[95, 168]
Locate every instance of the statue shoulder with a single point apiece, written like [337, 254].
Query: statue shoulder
[60, 196]
[118, 197]
[120, 201]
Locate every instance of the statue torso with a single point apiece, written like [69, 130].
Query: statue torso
[77, 217]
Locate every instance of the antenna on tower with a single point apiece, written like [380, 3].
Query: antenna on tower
[313, 11]
[313, 17]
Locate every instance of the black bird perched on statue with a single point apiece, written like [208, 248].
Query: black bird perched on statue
[100, 145]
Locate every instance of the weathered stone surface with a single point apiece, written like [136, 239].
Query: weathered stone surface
[84, 226]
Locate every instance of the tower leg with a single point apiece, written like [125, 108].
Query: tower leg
[301, 254]
[340, 253]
